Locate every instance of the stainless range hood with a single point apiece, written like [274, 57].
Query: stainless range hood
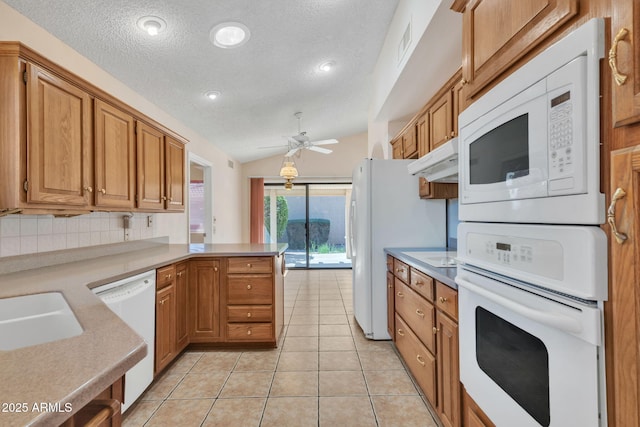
[439, 165]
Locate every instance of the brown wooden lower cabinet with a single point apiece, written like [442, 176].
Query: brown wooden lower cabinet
[165, 326]
[204, 300]
[182, 283]
[448, 408]
[472, 415]
[103, 411]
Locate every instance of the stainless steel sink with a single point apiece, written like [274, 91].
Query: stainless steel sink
[36, 319]
[438, 259]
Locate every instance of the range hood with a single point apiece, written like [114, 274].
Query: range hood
[439, 165]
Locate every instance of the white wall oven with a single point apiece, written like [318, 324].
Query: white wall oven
[531, 349]
[530, 148]
[532, 272]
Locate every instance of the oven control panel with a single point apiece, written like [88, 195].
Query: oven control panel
[542, 257]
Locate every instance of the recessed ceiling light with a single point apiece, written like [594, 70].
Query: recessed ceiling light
[325, 67]
[212, 94]
[152, 25]
[229, 34]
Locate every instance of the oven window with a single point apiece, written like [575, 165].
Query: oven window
[516, 360]
[501, 154]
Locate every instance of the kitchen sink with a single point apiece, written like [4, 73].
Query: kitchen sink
[438, 259]
[36, 319]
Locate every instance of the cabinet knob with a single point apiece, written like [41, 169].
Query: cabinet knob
[400, 332]
[171, 199]
[420, 360]
[389, 286]
[442, 300]
[435, 330]
[249, 265]
[400, 294]
[419, 312]
[463, 81]
[249, 314]
[89, 189]
[248, 331]
[103, 191]
[168, 277]
[164, 198]
[179, 274]
[215, 268]
[249, 287]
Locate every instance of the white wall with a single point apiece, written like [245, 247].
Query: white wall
[227, 198]
[336, 166]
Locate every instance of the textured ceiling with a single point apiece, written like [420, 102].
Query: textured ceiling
[263, 83]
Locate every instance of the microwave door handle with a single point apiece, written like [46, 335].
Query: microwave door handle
[554, 320]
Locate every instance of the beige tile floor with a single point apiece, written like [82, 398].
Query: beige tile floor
[324, 373]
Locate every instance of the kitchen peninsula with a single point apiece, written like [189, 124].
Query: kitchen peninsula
[69, 373]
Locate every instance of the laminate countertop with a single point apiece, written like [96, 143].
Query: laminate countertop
[69, 373]
[445, 275]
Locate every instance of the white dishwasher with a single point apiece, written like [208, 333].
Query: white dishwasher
[134, 300]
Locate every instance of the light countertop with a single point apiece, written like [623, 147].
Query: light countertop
[74, 370]
[445, 275]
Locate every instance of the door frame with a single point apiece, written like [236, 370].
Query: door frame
[207, 167]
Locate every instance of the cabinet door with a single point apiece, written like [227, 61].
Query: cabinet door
[440, 121]
[459, 104]
[472, 414]
[396, 146]
[204, 300]
[165, 326]
[59, 148]
[422, 133]
[151, 180]
[436, 190]
[622, 310]
[182, 332]
[390, 307]
[626, 87]
[409, 143]
[486, 53]
[175, 177]
[114, 157]
[448, 407]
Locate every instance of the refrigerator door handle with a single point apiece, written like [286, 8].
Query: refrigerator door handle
[352, 220]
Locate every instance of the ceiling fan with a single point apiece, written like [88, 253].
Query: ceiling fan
[302, 142]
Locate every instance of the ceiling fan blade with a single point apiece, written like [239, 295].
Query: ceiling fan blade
[325, 142]
[319, 149]
[273, 146]
[292, 152]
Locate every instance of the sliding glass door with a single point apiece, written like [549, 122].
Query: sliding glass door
[312, 219]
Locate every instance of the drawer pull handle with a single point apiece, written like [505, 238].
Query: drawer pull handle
[613, 57]
[400, 332]
[611, 215]
[419, 312]
[442, 300]
[249, 314]
[419, 283]
[399, 270]
[248, 331]
[400, 294]
[419, 359]
[249, 287]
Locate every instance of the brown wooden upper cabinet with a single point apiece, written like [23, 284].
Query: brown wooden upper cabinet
[59, 141]
[397, 149]
[409, 143]
[441, 120]
[487, 53]
[422, 133]
[115, 166]
[625, 66]
[161, 175]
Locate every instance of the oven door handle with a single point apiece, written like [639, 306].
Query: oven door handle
[554, 320]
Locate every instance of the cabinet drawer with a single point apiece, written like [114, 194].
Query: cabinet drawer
[249, 313]
[422, 284]
[249, 289]
[249, 265]
[447, 299]
[420, 361]
[250, 331]
[401, 270]
[390, 263]
[418, 314]
[165, 275]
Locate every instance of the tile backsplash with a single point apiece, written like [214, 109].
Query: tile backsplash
[27, 234]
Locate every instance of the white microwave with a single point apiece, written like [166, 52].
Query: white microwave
[530, 147]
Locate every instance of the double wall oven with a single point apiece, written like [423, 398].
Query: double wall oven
[532, 272]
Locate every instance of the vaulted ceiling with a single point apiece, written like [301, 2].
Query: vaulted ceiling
[261, 83]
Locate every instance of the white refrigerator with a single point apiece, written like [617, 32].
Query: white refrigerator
[386, 211]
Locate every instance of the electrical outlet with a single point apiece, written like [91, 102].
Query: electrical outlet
[149, 221]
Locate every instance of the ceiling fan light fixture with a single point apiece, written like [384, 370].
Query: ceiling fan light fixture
[229, 35]
[288, 170]
[152, 25]
[327, 66]
[288, 185]
[212, 94]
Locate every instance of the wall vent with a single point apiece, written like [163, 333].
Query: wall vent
[405, 42]
[230, 163]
